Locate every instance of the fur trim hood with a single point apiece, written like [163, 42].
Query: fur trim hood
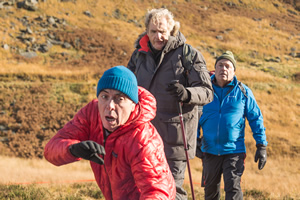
[174, 32]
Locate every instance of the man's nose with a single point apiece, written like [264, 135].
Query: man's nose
[158, 35]
[111, 105]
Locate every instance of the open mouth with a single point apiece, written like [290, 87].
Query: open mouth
[110, 118]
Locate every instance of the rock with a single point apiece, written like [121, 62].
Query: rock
[55, 42]
[31, 39]
[256, 64]
[6, 4]
[30, 5]
[29, 54]
[35, 47]
[214, 54]
[88, 13]
[43, 48]
[39, 18]
[5, 47]
[228, 29]
[4, 139]
[66, 45]
[61, 21]
[28, 30]
[295, 54]
[44, 25]
[230, 4]
[292, 12]
[276, 59]
[219, 37]
[51, 20]
[256, 19]
[2, 128]
[51, 36]
[135, 22]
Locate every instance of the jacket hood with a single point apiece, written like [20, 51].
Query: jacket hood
[173, 42]
[145, 110]
[137, 41]
[173, 33]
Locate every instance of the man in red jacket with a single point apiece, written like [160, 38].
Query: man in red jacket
[114, 132]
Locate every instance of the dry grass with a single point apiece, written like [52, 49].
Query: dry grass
[279, 178]
[30, 171]
[275, 179]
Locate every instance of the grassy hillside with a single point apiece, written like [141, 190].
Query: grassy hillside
[53, 53]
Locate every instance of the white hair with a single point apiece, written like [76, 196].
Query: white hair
[155, 15]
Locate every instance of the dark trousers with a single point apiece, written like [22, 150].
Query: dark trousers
[232, 167]
[178, 169]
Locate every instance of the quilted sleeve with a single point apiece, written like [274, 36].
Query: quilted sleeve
[57, 149]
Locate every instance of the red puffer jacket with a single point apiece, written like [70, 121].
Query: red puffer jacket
[135, 164]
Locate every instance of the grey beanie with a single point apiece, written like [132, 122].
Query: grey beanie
[229, 56]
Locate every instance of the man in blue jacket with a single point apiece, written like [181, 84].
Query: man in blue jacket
[223, 148]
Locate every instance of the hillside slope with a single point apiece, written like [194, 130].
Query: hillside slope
[53, 53]
[88, 33]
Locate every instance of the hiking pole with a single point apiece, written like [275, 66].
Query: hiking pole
[185, 147]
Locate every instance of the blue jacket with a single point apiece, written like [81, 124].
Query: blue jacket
[223, 120]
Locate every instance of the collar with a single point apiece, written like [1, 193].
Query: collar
[144, 43]
[231, 84]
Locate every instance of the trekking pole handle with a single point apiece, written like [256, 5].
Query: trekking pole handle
[179, 108]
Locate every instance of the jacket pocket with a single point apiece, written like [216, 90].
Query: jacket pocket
[235, 130]
[170, 128]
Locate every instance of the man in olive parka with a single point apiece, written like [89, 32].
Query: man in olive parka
[158, 63]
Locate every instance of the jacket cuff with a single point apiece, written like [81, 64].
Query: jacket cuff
[189, 97]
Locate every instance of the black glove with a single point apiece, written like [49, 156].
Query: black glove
[88, 150]
[179, 92]
[261, 155]
[199, 152]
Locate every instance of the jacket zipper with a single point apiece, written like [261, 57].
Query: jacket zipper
[156, 68]
[218, 130]
[104, 141]
[108, 182]
[220, 115]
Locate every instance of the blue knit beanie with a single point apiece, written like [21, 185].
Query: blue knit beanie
[122, 79]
